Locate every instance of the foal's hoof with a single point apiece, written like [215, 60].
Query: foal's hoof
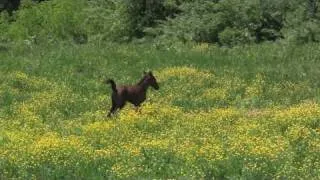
[108, 116]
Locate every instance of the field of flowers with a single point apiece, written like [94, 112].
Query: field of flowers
[247, 113]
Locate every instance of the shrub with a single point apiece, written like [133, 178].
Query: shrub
[107, 20]
[233, 37]
[49, 21]
[303, 20]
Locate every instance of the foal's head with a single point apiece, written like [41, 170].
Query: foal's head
[149, 79]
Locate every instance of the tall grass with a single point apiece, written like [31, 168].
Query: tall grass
[249, 112]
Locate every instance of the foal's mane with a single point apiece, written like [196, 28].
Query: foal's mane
[141, 80]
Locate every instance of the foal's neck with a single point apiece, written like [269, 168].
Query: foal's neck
[142, 83]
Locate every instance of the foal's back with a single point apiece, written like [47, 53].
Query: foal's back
[135, 94]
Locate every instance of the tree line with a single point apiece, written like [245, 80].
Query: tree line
[227, 22]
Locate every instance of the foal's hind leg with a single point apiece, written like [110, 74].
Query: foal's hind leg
[113, 109]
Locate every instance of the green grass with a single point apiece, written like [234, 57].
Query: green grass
[249, 112]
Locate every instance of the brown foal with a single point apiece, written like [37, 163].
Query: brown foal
[134, 94]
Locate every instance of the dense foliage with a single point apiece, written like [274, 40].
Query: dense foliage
[229, 22]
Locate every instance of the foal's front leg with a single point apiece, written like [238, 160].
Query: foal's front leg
[137, 108]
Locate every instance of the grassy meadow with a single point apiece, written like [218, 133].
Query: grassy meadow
[249, 112]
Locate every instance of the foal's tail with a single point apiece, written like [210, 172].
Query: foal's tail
[113, 84]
